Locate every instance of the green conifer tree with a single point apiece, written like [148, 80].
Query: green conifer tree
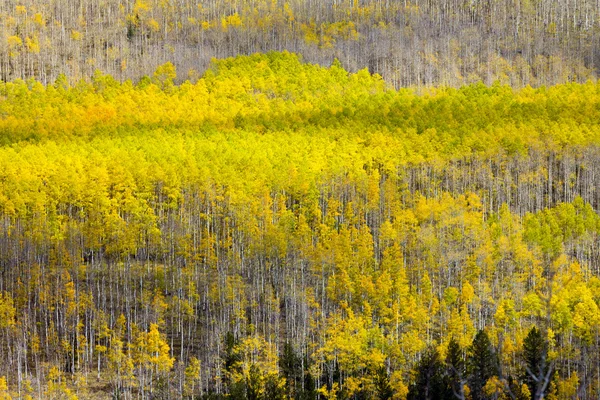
[537, 369]
[482, 364]
[429, 383]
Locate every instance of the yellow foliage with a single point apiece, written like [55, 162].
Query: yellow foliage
[141, 7]
[567, 388]
[7, 311]
[505, 314]
[267, 171]
[39, 20]
[153, 25]
[330, 394]
[151, 351]
[467, 293]
[192, 376]
[76, 35]
[4, 393]
[32, 44]
[233, 20]
[493, 387]
[14, 42]
[57, 386]
[525, 392]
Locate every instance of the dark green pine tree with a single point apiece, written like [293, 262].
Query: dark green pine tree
[455, 370]
[309, 390]
[232, 360]
[429, 381]
[290, 366]
[232, 356]
[537, 372]
[482, 364]
[382, 384]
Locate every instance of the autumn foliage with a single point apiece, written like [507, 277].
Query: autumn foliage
[276, 229]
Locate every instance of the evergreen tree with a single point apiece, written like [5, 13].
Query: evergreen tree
[232, 356]
[482, 364]
[382, 384]
[428, 384]
[232, 366]
[537, 372]
[290, 366]
[309, 390]
[455, 366]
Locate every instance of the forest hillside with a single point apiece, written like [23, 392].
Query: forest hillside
[409, 42]
[276, 229]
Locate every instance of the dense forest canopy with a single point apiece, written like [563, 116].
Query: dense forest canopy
[277, 229]
[408, 42]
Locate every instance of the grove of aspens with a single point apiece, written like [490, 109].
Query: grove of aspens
[300, 200]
